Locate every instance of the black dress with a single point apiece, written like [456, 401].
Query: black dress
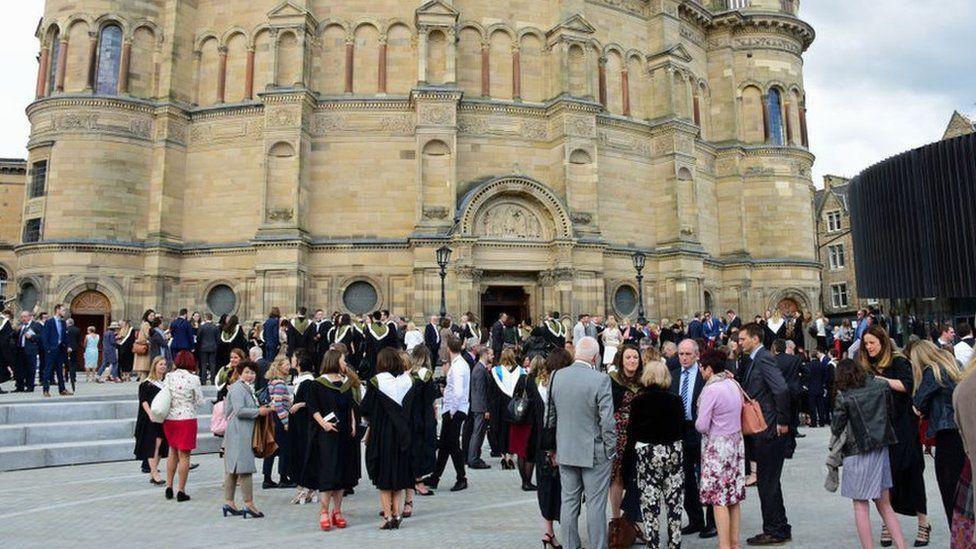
[8, 350]
[424, 424]
[226, 343]
[126, 356]
[907, 460]
[298, 429]
[332, 459]
[388, 446]
[546, 476]
[378, 336]
[147, 430]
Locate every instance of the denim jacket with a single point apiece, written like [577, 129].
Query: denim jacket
[866, 414]
[935, 402]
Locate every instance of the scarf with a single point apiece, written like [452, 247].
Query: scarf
[555, 327]
[223, 335]
[300, 323]
[304, 376]
[394, 387]
[507, 379]
[379, 330]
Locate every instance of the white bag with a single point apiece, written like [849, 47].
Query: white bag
[161, 403]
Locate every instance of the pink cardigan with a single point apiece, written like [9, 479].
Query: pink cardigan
[719, 409]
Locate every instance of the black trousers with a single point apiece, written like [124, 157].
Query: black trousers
[819, 412]
[949, 460]
[26, 370]
[691, 467]
[208, 366]
[449, 445]
[770, 453]
[281, 438]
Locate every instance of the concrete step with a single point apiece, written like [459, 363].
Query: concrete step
[94, 451]
[29, 434]
[63, 411]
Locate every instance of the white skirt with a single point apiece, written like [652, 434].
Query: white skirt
[608, 354]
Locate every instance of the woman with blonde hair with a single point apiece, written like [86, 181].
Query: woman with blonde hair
[150, 439]
[412, 337]
[505, 377]
[612, 338]
[936, 373]
[280, 402]
[877, 355]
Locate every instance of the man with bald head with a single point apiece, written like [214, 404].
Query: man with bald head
[582, 411]
[687, 382]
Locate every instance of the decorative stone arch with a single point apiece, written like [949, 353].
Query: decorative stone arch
[796, 295]
[112, 19]
[344, 25]
[50, 30]
[474, 25]
[683, 173]
[394, 22]
[255, 32]
[500, 27]
[73, 20]
[103, 286]
[282, 149]
[525, 31]
[778, 84]
[203, 38]
[35, 281]
[614, 47]
[748, 84]
[225, 39]
[580, 156]
[514, 185]
[345, 283]
[367, 21]
[236, 287]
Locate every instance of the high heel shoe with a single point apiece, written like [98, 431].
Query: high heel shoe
[396, 522]
[228, 510]
[338, 520]
[407, 509]
[387, 524]
[886, 540]
[254, 514]
[324, 522]
[924, 533]
[549, 542]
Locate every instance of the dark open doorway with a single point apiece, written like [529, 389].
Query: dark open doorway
[511, 300]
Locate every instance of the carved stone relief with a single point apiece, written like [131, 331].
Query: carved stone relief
[509, 220]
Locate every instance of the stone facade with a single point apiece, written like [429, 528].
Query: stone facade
[835, 248]
[286, 151]
[12, 178]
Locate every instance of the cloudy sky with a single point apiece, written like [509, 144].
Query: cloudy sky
[883, 76]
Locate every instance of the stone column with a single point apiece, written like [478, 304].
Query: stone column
[92, 60]
[62, 63]
[485, 69]
[451, 77]
[350, 55]
[803, 127]
[516, 74]
[222, 74]
[249, 75]
[789, 123]
[422, 55]
[124, 67]
[273, 77]
[564, 66]
[381, 77]
[42, 71]
[602, 71]
[625, 85]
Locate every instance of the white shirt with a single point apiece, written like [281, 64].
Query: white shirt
[821, 327]
[579, 332]
[413, 338]
[457, 396]
[963, 352]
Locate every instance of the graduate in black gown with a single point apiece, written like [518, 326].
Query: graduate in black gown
[299, 423]
[345, 333]
[378, 335]
[388, 405]
[549, 491]
[231, 337]
[332, 459]
[555, 333]
[125, 339]
[504, 377]
[424, 447]
[8, 347]
[150, 439]
[296, 332]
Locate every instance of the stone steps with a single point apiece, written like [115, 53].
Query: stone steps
[69, 431]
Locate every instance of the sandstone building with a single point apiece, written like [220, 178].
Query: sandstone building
[245, 154]
[835, 246]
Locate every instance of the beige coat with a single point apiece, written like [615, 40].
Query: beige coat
[140, 363]
[964, 403]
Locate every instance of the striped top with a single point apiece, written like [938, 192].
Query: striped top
[280, 398]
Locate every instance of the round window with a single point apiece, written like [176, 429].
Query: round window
[29, 297]
[625, 300]
[221, 300]
[360, 297]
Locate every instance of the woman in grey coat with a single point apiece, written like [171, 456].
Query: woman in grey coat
[241, 409]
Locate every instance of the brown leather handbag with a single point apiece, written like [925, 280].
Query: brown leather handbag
[753, 421]
[622, 533]
[262, 441]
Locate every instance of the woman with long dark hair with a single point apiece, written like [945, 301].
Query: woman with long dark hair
[300, 424]
[625, 384]
[549, 488]
[231, 337]
[424, 424]
[878, 356]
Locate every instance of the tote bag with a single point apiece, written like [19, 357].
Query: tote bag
[218, 420]
[753, 421]
[262, 441]
[161, 404]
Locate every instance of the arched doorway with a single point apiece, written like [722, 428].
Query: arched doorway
[511, 300]
[90, 308]
[788, 307]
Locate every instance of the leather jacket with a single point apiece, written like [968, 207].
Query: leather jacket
[935, 402]
[866, 413]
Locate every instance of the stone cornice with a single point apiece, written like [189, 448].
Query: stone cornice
[227, 110]
[695, 11]
[788, 23]
[764, 150]
[429, 93]
[72, 101]
[565, 103]
[487, 106]
[337, 103]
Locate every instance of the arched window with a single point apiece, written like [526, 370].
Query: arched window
[774, 108]
[109, 60]
[29, 296]
[52, 70]
[3, 285]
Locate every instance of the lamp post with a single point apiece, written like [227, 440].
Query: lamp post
[443, 256]
[639, 259]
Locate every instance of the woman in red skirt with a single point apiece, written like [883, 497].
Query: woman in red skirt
[180, 425]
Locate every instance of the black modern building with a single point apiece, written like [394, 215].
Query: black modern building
[913, 220]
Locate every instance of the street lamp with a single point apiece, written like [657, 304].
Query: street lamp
[639, 259]
[443, 256]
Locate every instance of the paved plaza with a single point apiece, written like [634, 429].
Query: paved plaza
[113, 505]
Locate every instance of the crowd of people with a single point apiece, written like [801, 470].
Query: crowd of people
[659, 420]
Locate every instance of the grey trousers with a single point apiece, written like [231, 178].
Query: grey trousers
[479, 428]
[594, 483]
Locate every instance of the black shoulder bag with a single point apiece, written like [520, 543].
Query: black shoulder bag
[548, 443]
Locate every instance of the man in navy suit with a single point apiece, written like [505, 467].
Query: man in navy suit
[696, 330]
[29, 344]
[432, 339]
[181, 332]
[55, 351]
[687, 382]
[818, 387]
[763, 380]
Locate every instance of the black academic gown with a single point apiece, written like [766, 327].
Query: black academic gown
[126, 356]
[388, 445]
[147, 431]
[295, 338]
[298, 430]
[424, 424]
[378, 336]
[352, 339]
[554, 334]
[8, 350]
[498, 407]
[317, 340]
[332, 459]
[225, 344]
[770, 335]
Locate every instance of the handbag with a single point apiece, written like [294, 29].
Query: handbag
[753, 421]
[262, 441]
[622, 533]
[518, 409]
[548, 442]
[161, 403]
[218, 420]
[140, 348]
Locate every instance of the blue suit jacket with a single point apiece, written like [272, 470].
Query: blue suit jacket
[50, 337]
[696, 330]
[271, 338]
[182, 333]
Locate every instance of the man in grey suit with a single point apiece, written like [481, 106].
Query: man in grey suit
[477, 423]
[207, 335]
[582, 411]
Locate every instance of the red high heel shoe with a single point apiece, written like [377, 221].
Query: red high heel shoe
[324, 522]
[338, 520]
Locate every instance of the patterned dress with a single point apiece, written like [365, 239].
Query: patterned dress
[722, 465]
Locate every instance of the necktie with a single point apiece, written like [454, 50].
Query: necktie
[684, 393]
[57, 322]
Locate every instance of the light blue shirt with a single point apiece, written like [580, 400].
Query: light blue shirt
[688, 377]
[752, 355]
